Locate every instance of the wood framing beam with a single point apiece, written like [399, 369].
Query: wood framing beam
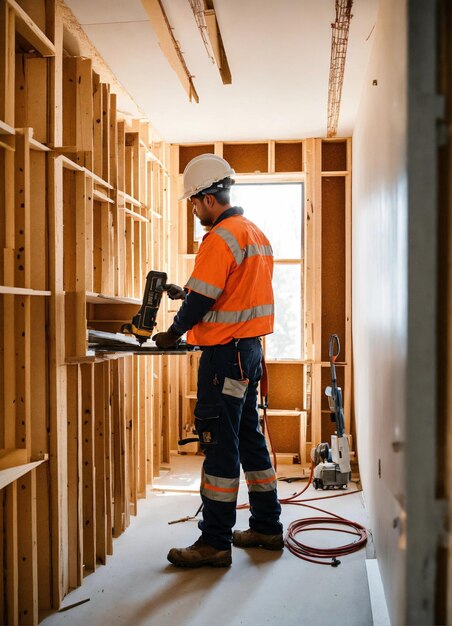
[7, 64]
[169, 45]
[31, 32]
[216, 42]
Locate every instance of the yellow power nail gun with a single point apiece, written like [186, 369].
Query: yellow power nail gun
[144, 321]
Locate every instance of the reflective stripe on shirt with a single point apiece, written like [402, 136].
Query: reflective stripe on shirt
[255, 249]
[204, 288]
[232, 243]
[235, 317]
[238, 253]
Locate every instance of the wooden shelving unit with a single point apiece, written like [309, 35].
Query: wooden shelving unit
[85, 213]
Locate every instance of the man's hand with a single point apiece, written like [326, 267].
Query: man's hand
[174, 292]
[166, 340]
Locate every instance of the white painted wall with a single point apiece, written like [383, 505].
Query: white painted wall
[380, 293]
[395, 213]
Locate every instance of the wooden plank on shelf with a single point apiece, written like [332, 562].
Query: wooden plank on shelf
[36, 94]
[10, 475]
[121, 156]
[21, 291]
[84, 105]
[27, 550]
[80, 263]
[105, 131]
[89, 235]
[165, 452]
[98, 124]
[38, 222]
[22, 234]
[113, 152]
[100, 401]
[157, 416]
[71, 165]
[69, 106]
[134, 433]
[108, 433]
[102, 197]
[31, 32]
[99, 298]
[137, 257]
[117, 457]
[97, 247]
[57, 384]
[127, 439]
[39, 449]
[75, 475]
[141, 445]
[7, 55]
[55, 30]
[149, 420]
[12, 556]
[89, 470]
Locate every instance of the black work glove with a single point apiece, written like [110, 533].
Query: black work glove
[166, 340]
[174, 292]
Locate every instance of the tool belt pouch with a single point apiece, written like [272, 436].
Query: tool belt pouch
[206, 424]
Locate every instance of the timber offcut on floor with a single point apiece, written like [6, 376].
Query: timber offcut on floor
[138, 586]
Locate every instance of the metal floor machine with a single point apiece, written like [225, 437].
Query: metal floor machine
[332, 463]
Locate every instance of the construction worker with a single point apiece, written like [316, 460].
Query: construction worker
[228, 305]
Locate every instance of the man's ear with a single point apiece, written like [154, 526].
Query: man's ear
[210, 200]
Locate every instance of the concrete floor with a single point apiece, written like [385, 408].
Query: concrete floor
[138, 587]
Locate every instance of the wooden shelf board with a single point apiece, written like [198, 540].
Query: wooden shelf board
[134, 215]
[21, 291]
[8, 476]
[284, 412]
[130, 199]
[102, 197]
[69, 164]
[37, 145]
[8, 143]
[6, 129]
[31, 32]
[98, 180]
[100, 298]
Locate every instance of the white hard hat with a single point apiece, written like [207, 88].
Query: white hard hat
[202, 171]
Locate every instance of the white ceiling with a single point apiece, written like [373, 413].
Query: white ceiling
[278, 53]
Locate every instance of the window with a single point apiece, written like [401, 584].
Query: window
[277, 208]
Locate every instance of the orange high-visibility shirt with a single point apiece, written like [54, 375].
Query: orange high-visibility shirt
[234, 266]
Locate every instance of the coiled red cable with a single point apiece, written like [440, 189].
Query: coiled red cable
[322, 556]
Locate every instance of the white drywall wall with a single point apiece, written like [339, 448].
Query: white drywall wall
[380, 301]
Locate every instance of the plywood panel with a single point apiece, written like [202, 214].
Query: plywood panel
[247, 157]
[285, 385]
[289, 156]
[334, 156]
[333, 262]
[187, 153]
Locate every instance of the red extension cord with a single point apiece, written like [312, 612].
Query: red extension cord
[322, 556]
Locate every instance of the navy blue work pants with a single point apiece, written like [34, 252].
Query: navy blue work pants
[227, 422]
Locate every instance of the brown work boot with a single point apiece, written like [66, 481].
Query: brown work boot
[200, 553]
[252, 539]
